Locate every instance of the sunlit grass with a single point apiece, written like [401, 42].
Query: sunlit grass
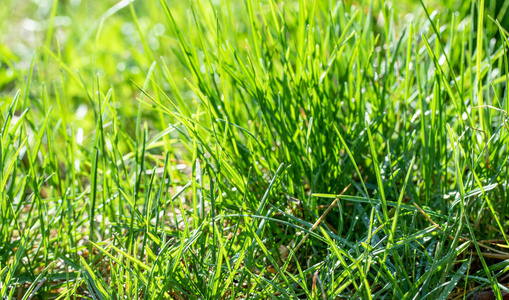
[252, 149]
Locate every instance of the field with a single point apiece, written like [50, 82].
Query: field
[254, 149]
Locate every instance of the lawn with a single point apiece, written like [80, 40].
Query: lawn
[254, 149]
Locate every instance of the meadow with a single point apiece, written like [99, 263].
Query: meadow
[254, 149]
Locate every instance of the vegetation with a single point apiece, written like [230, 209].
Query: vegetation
[253, 149]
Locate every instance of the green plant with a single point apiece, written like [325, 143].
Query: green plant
[258, 149]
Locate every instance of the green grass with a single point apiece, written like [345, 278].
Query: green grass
[253, 149]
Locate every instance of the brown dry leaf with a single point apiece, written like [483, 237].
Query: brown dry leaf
[489, 295]
[283, 252]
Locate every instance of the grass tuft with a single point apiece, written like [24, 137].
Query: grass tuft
[253, 149]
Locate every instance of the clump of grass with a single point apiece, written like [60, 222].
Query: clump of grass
[256, 149]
